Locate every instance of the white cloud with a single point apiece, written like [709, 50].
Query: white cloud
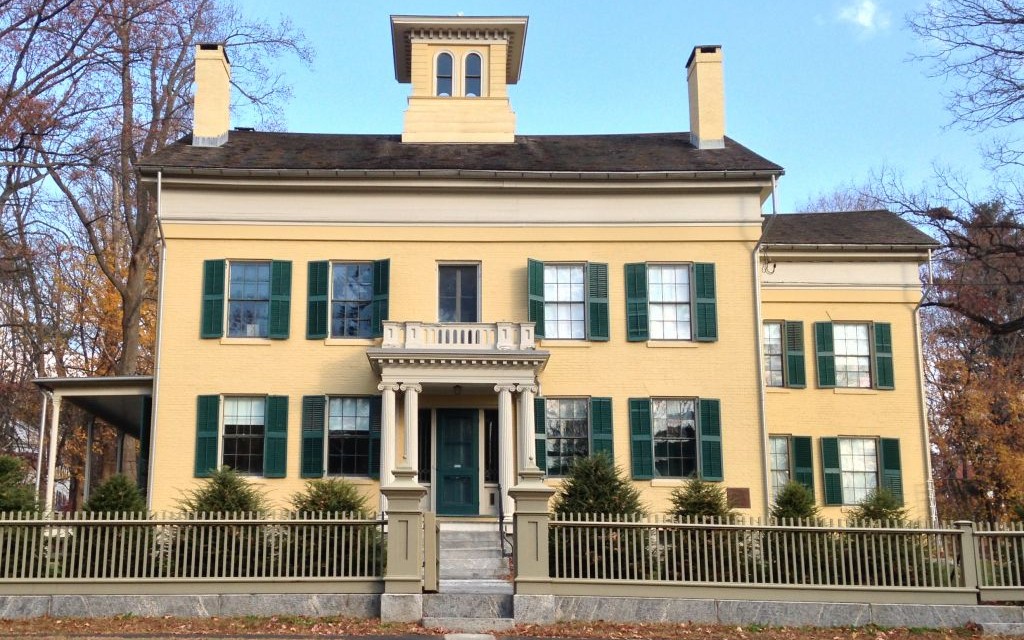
[865, 14]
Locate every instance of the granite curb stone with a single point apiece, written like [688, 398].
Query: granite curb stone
[618, 609]
[300, 604]
[105, 606]
[941, 615]
[17, 607]
[789, 614]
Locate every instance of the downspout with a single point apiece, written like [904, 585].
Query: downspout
[759, 364]
[933, 512]
[159, 344]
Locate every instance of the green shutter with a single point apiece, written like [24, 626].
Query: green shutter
[275, 440]
[381, 292]
[280, 299]
[636, 302]
[831, 473]
[212, 322]
[883, 356]
[317, 286]
[207, 435]
[641, 444]
[540, 433]
[312, 463]
[711, 440]
[825, 354]
[376, 404]
[803, 461]
[601, 432]
[892, 470]
[597, 301]
[707, 306]
[794, 337]
[535, 297]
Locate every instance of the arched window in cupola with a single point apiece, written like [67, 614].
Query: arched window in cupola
[473, 75]
[444, 74]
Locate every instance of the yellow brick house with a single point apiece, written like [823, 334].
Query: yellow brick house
[469, 302]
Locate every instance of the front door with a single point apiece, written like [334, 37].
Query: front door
[458, 487]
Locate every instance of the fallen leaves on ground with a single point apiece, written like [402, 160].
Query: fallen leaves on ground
[297, 626]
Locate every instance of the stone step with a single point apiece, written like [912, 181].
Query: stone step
[471, 552]
[1002, 628]
[474, 568]
[467, 605]
[456, 539]
[470, 625]
[476, 586]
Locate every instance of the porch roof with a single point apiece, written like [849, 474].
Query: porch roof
[117, 400]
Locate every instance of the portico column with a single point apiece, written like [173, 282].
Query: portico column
[506, 460]
[387, 436]
[527, 448]
[51, 464]
[412, 422]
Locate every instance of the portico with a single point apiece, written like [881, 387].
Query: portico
[451, 363]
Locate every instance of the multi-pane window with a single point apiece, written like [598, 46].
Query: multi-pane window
[668, 290]
[348, 436]
[244, 425]
[352, 300]
[444, 74]
[773, 354]
[674, 431]
[567, 422]
[852, 355]
[473, 78]
[564, 302]
[249, 299]
[778, 458]
[858, 461]
[458, 298]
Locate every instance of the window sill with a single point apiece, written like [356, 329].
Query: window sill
[782, 390]
[854, 391]
[668, 482]
[357, 480]
[571, 344]
[672, 344]
[350, 342]
[262, 342]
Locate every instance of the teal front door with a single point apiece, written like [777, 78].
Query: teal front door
[458, 472]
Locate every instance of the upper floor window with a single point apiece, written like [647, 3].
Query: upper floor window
[258, 298]
[458, 293]
[671, 302]
[352, 300]
[564, 302]
[444, 74]
[249, 299]
[473, 75]
[853, 355]
[773, 354]
[783, 344]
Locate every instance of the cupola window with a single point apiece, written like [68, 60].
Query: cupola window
[473, 80]
[444, 75]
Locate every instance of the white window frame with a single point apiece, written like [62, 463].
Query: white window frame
[848, 456]
[688, 304]
[694, 439]
[222, 431]
[455, 73]
[548, 437]
[769, 357]
[862, 377]
[773, 459]
[327, 435]
[228, 299]
[479, 288]
[552, 303]
[483, 74]
[331, 300]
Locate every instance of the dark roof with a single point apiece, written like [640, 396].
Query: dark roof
[321, 153]
[843, 228]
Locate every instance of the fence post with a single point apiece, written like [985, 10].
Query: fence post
[531, 497]
[969, 555]
[402, 600]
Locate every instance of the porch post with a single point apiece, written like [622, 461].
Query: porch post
[51, 463]
[402, 600]
[89, 433]
[527, 448]
[387, 437]
[412, 422]
[506, 437]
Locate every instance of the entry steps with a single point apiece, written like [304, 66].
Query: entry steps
[474, 584]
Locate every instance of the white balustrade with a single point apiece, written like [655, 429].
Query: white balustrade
[459, 336]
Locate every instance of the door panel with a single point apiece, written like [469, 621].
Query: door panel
[458, 485]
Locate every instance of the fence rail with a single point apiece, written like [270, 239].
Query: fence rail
[110, 547]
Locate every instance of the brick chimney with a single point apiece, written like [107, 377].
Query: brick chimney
[707, 97]
[212, 108]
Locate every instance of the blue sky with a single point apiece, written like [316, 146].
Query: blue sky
[826, 88]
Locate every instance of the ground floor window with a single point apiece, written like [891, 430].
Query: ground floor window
[348, 436]
[858, 462]
[674, 431]
[567, 425]
[778, 456]
[244, 425]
